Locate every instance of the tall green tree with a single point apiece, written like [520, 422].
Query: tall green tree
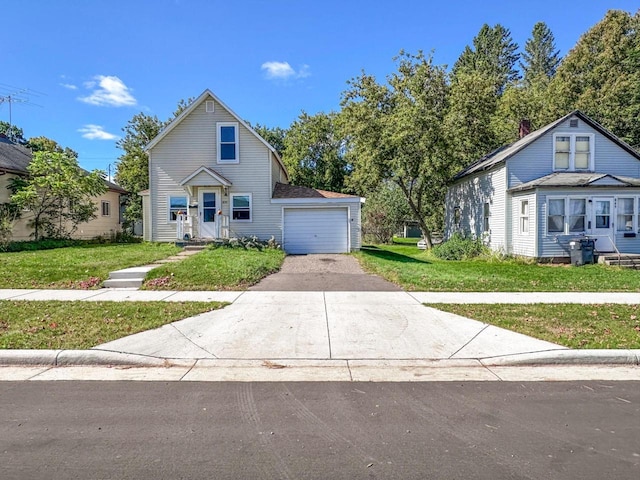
[314, 152]
[601, 76]
[396, 134]
[58, 193]
[44, 144]
[540, 57]
[273, 135]
[494, 54]
[384, 213]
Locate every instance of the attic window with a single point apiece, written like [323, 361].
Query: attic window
[573, 152]
[573, 123]
[209, 106]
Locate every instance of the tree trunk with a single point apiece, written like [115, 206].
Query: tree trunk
[426, 233]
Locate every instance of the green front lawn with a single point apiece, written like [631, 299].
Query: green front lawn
[574, 326]
[221, 268]
[81, 325]
[418, 270]
[83, 266]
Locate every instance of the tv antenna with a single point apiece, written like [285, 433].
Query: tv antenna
[10, 94]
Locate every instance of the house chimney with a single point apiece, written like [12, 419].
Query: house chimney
[525, 128]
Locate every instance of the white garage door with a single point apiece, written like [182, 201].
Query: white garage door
[316, 230]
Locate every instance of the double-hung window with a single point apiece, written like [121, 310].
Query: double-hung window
[624, 222]
[573, 152]
[228, 148]
[106, 208]
[555, 215]
[486, 215]
[177, 204]
[241, 207]
[524, 216]
[577, 215]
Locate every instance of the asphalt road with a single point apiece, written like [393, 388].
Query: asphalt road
[492, 430]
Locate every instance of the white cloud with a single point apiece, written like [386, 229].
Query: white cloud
[284, 71]
[69, 86]
[96, 132]
[111, 91]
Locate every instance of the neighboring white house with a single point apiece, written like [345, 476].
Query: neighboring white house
[212, 176]
[569, 179]
[14, 160]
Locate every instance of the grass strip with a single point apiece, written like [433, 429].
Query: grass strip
[417, 270]
[216, 269]
[82, 325]
[602, 326]
[83, 266]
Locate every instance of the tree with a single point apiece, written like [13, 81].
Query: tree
[396, 135]
[314, 153]
[384, 213]
[132, 169]
[58, 193]
[472, 104]
[273, 135]
[541, 58]
[12, 132]
[44, 144]
[601, 76]
[494, 54]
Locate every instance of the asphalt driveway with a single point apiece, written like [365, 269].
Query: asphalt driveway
[323, 273]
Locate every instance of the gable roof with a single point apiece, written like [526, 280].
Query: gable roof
[221, 179]
[283, 190]
[198, 101]
[572, 180]
[502, 154]
[14, 158]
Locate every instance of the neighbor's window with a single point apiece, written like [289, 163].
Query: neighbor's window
[524, 216]
[486, 215]
[573, 152]
[456, 217]
[555, 215]
[577, 215]
[177, 204]
[106, 208]
[241, 207]
[625, 214]
[228, 142]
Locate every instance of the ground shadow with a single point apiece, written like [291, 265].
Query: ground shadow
[392, 256]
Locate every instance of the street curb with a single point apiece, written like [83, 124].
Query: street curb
[58, 358]
[566, 357]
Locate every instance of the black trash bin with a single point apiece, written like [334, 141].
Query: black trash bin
[582, 251]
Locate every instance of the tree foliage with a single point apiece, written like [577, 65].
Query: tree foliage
[13, 133]
[273, 135]
[396, 135]
[44, 144]
[384, 213]
[494, 54]
[540, 56]
[58, 194]
[601, 76]
[314, 152]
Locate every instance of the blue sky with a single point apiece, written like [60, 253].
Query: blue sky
[90, 65]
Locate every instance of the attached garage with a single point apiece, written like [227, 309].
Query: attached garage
[316, 230]
[317, 221]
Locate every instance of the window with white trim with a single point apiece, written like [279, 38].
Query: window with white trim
[573, 151]
[626, 213]
[228, 151]
[555, 215]
[177, 204]
[486, 216]
[566, 215]
[577, 215]
[241, 207]
[106, 208]
[524, 216]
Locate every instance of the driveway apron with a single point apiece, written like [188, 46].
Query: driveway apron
[323, 273]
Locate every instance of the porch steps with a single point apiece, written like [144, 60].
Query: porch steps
[134, 277]
[624, 260]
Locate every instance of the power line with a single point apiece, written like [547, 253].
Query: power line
[10, 94]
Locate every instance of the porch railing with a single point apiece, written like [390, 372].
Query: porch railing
[189, 225]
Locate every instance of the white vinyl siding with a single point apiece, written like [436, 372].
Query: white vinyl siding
[523, 243]
[316, 230]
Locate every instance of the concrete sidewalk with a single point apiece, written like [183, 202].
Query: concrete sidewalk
[321, 335]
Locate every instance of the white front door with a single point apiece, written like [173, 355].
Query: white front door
[602, 227]
[207, 212]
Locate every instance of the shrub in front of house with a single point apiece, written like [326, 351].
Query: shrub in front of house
[459, 247]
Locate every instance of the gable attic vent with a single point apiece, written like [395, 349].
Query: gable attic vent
[209, 106]
[573, 123]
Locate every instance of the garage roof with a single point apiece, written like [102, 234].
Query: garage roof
[283, 190]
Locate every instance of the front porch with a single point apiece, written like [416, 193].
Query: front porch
[189, 228]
